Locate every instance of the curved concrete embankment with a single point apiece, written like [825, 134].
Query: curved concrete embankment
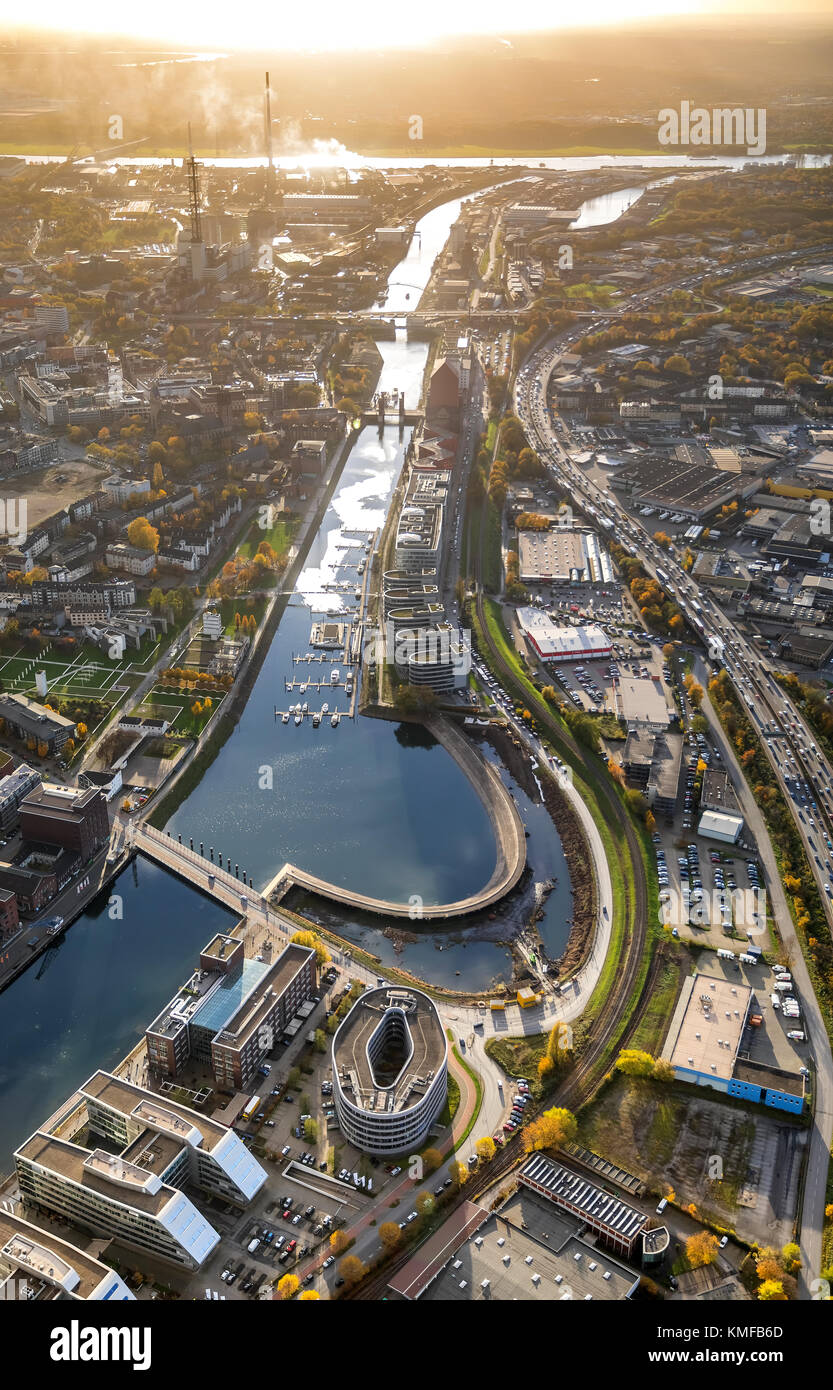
[508, 828]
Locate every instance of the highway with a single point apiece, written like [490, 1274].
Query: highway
[785, 737]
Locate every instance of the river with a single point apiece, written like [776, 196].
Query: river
[368, 804]
[87, 1001]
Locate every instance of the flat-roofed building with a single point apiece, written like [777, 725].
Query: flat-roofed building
[231, 1012]
[617, 1225]
[27, 719]
[641, 703]
[721, 825]
[552, 642]
[37, 1265]
[562, 556]
[717, 793]
[75, 818]
[390, 1070]
[14, 787]
[528, 1250]
[705, 1039]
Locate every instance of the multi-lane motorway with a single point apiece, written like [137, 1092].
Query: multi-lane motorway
[788, 743]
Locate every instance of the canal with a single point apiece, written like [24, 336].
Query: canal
[368, 803]
[88, 1000]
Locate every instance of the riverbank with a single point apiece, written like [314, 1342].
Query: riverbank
[507, 827]
[189, 776]
[573, 843]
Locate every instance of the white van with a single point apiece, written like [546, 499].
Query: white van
[661, 1208]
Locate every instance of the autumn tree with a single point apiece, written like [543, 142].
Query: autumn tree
[701, 1249]
[352, 1270]
[141, 534]
[555, 1127]
[632, 1062]
[390, 1235]
[339, 1241]
[663, 1070]
[431, 1160]
[309, 1296]
[425, 1204]
[287, 1286]
[313, 940]
[559, 1042]
[457, 1172]
[772, 1291]
[485, 1148]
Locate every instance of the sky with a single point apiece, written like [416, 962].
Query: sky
[332, 24]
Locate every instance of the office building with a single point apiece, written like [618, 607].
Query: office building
[27, 719]
[390, 1060]
[73, 818]
[9, 916]
[14, 787]
[231, 1012]
[114, 1158]
[36, 1265]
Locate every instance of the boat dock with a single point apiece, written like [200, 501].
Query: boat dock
[348, 655]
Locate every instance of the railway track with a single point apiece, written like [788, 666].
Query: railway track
[576, 1089]
[613, 1025]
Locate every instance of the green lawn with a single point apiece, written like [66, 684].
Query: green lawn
[280, 536]
[244, 605]
[175, 706]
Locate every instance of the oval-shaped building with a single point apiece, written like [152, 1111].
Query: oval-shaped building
[390, 1070]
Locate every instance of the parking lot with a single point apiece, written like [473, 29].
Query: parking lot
[709, 892]
[768, 1043]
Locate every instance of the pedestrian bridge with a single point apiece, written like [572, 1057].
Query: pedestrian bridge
[235, 893]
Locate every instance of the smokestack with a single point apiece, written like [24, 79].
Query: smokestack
[267, 117]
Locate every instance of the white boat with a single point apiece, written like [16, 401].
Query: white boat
[303, 687]
[335, 676]
[316, 720]
[335, 719]
[297, 719]
[284, 718]
[305, 707]
[325, 708]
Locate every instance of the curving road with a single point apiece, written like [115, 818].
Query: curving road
[768, 708]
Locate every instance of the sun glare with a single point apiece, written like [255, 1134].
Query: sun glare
[330, 25]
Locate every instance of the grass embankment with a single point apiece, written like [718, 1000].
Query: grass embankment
[590, 784]
[478, 1090]
[518, 1056]
[279, 535]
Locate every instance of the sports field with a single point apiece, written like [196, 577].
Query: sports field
[88, 672]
